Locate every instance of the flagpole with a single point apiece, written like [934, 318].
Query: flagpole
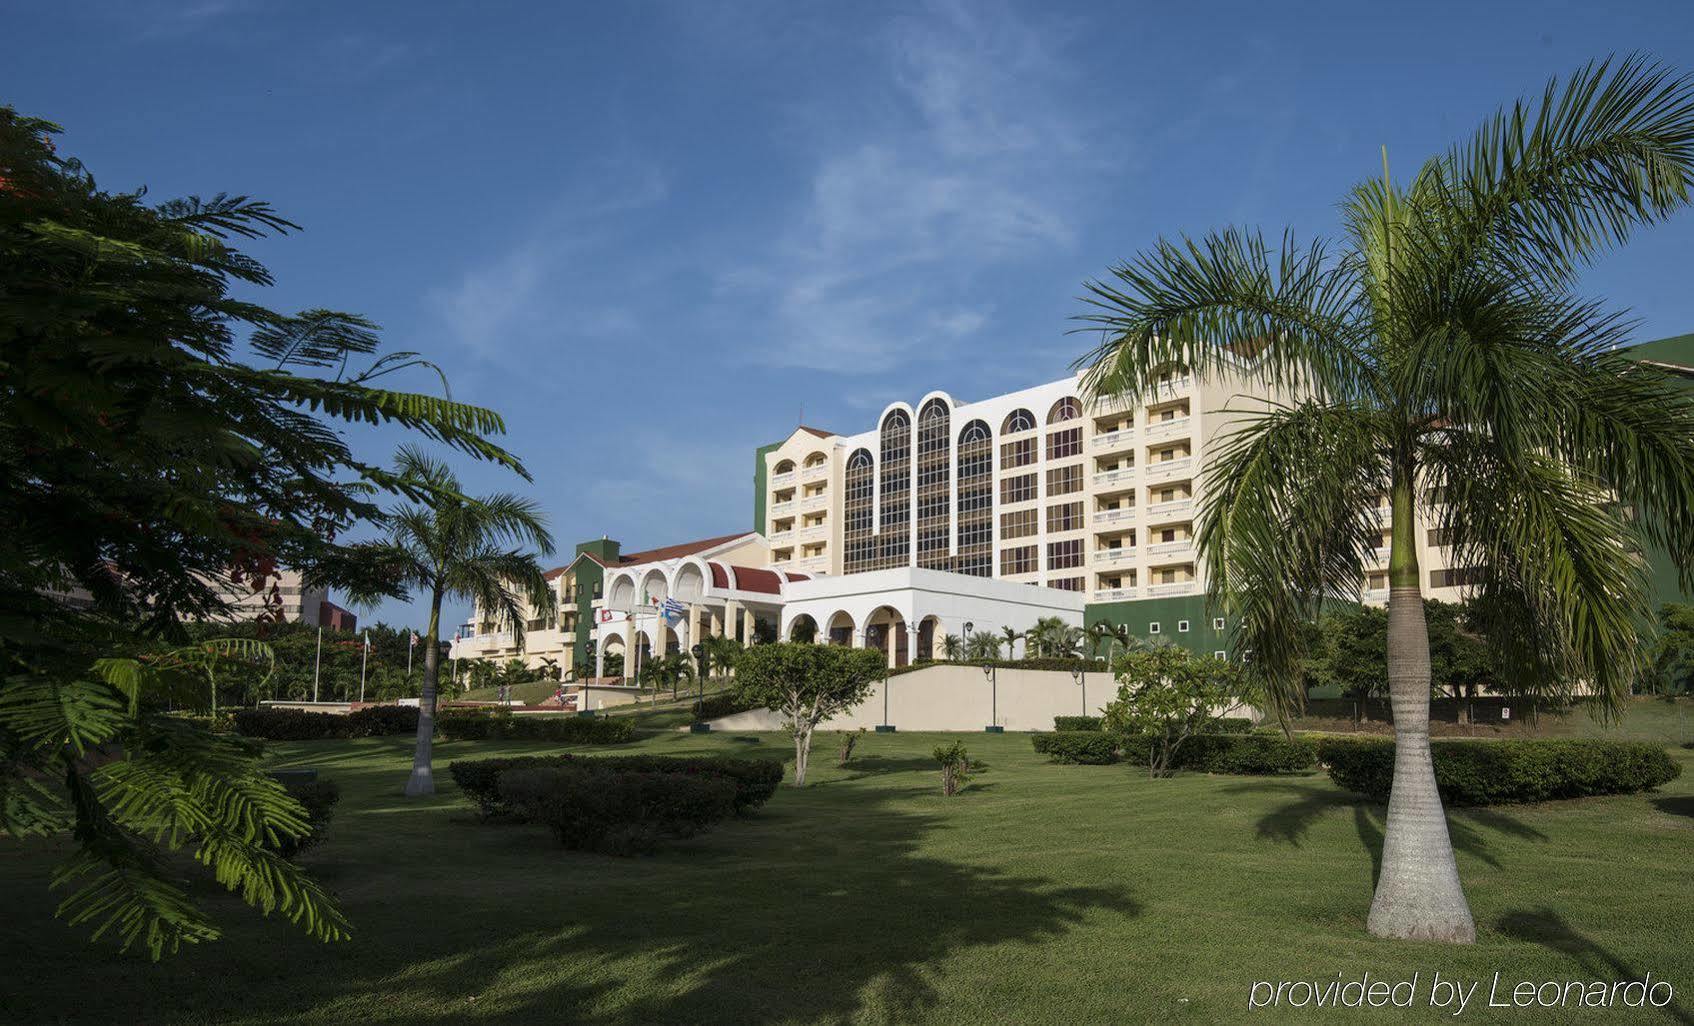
[317, 664]
[364, 658]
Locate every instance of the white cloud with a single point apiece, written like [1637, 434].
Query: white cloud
[980, 166]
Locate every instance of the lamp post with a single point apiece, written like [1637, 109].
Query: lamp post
[967, 639]
[700, 726]
[1080, 675]
[992, 675]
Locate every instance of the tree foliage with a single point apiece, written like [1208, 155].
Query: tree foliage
[1167, 695]
[806, 684]
[162, 438]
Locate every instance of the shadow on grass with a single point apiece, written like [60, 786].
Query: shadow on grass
[1290, 822]
[1676, 805]
[1549, 929]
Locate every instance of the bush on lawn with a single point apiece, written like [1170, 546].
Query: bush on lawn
[1507, 772]
[570, 730]
[1077, 747]
[1231, 725]
[1077, 722]
[714, 706]
[318, 797]
[1235, 754]
[273, 724]
[617, 812]
[755, 780]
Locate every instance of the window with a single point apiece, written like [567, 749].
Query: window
[1437, 536]
[1153, 628]
[786, 466]
[1067, 584]
[1020, 489]
[1020, 560]
[1061, 444]
[1064, 480]
[1065, 409]
[1018, 524]
[1017, 454]
[1455, 577]
[1064, 555]
[860, 460]
[977, 532]
[1064, 517]
[1220, 654]
[1018, 420]
[1182, 626]
[972, 500]
[975, 431]
[1217, 623]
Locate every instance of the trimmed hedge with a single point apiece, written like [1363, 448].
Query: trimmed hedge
[570, 730]
[1078, 723]
[1077, 747]
[714, 706]
[617, 812]
[319, 798]
[273, 724]
[755, 780]
[1507, 772]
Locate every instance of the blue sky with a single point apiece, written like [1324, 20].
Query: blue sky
[656, 235]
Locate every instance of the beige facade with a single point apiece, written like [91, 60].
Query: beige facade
[1033, 486]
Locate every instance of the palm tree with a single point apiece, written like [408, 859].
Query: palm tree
[464, 548]
[1112, 636]
[1439, 351]
[721, 652]
[983, 645]
[953, 647]
[1041, 639]
[1011, 636]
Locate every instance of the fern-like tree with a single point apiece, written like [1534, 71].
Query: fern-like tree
[165, 437]
[1439, 355]
[479, 549]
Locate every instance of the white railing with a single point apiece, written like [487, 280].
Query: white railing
[815, 531]
[1179, 588]
[778, 537]
[1113, 557]
[1113, 478]
[1379, 555]
[1169, 389]
[1114, 404]
[814, 501]
[1166, 548]
[1114, 594]
[784, 478]
[1170, 468]
[1166, 428]
[814, 472]
[1376, 595]
[1159, 509]
[815, 564]
[1121, 439]
[782, 507]
[1113, 516]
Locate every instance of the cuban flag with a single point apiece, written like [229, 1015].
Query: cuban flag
[672, 610]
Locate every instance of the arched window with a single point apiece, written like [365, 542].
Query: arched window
[816, 459]
[785, 466]
[1065, 409]
[860, 460]
[1018, 420]
[893, 529]
[975, 431]
[857, 542]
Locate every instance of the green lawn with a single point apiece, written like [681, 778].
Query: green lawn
[1042, 894]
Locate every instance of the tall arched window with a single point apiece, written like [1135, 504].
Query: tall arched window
[1064, 442]
[1065, 409]
[858, 541]
[1018, 420]
[934, 498]
[894, 527]
[975, 551]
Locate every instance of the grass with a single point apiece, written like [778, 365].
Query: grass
[1041, 894]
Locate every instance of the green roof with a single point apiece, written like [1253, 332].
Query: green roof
[1677, 351]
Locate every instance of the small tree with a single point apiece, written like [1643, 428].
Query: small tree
[1672, 655]
[955, 766]
[1167, 695]
[614, 664]
[721, 653]
[806, 684]
[983, 646]
[849, 741]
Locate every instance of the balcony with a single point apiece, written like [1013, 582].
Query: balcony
[779, 508]
[1114, 594]
[1175, 506]
[780, 537]
[1167, 548]
[1113, 440]
[1114, 404]
[1114, 516]
[814, 472]
[1174, 387]
[1167, 428]
[1375, 595]
[784, 478]
[817, 501]
[814, 532]
[1170, 468]
[1178, 588]
[814, 565]
[1110, 479]
[1378, 555]
[1114, 557]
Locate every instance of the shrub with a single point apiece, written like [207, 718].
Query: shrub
[1077, 722]
[754, 780]
[1230, 725]
[618, 812]
[1507, 772]
[849, 741]
[570, 730]
[713, 706]
[273, 724]
[318, 797]
[1072, 747]
[1237, 754]
[955, 766]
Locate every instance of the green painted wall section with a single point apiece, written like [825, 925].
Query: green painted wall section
[590, 579]
[759, 484]
[1139, 615]
[1663, 585]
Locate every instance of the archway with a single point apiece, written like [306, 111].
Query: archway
[929, 645]
[804, 629]
[621, 593]
[885, 631]
[690, 583]
[610, 646]
[841, 629]
[654, 590]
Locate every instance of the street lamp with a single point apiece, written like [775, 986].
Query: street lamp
[700, 726]
[992, 675]
[1080, 675]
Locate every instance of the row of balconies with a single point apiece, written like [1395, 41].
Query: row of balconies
[1153, 591]
[1125, 438]
[1166, 390]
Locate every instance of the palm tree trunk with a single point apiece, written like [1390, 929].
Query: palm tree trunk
[422, 780]
[1418, 894]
